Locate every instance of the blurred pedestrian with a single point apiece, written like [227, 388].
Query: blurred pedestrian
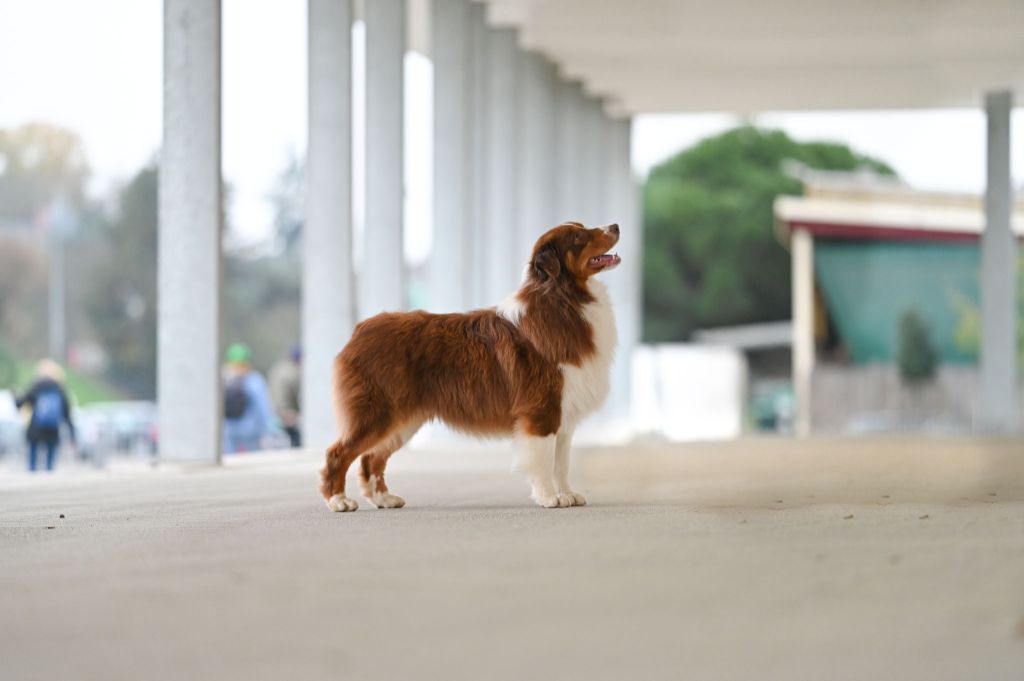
[248, 414]
[285, 386]
[50, 408]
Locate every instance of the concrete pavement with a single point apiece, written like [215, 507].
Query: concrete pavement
[758, 558]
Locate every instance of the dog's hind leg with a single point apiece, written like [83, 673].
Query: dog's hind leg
[373, 463]
[340, 456]
[332, 477]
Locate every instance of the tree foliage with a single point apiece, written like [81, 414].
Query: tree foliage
[263, 286]
[288, 197]
[261, 292]
[967, 333]
[711, 256]
[917, 357]
[262, 304]
[111, 263]
[121, 303]
[22, 296]
[38, 163]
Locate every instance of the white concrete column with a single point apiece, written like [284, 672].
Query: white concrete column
[328, 287]
[552, 90]
[997, 407]
[502, 143]
[189, 267]
[382, 275]
[622, 205]
[537, 170]
[593, 166]
[452, 51]
[569, 129]
[480, 106]
[802, 244]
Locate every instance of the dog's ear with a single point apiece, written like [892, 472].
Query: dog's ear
[546, 263]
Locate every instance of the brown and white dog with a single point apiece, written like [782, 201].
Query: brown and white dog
[533, 367]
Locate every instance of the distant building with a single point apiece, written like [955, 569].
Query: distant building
[766, 350]
[870, 253]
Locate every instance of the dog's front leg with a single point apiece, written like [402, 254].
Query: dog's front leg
[537, 460]
[563, 447]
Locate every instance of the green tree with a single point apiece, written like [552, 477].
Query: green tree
[262, 284]
[261, 292]
[967, 333]
[8, 367]
[711, 255]
[121, 303]
[916, 357]
[22, 297]
[288, 197]
[262, 304]
[38, 163]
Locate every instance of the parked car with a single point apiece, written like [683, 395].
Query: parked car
[12, 428]
[116, 428]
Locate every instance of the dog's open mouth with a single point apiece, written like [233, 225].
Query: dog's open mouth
[604, 262]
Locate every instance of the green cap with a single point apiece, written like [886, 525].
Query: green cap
[238, 353]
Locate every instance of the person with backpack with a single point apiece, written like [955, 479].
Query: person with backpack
[50, 408]
[286, 391]
[248, 412]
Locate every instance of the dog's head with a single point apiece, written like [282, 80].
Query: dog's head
[573, 252]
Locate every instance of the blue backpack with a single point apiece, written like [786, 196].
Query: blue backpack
[236, 399]
[49, 409]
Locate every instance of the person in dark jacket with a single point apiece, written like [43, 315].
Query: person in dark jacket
[50, 408]
[285, 391]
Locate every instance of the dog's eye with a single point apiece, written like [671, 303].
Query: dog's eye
[580, 238]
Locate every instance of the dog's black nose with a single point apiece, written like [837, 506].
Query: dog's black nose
[613, 228]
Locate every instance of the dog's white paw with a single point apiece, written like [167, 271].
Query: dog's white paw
[577, 498]
[340, 503]
[554, 501]
[386, 500]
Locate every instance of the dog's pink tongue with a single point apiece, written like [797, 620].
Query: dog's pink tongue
[604, 260]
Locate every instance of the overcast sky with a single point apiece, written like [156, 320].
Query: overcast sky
[95, 66]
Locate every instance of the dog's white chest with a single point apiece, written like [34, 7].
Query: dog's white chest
[585, 387]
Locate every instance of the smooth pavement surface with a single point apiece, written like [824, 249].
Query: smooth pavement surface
[766, 559]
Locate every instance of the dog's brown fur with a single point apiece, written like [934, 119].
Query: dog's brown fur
[478, 372]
